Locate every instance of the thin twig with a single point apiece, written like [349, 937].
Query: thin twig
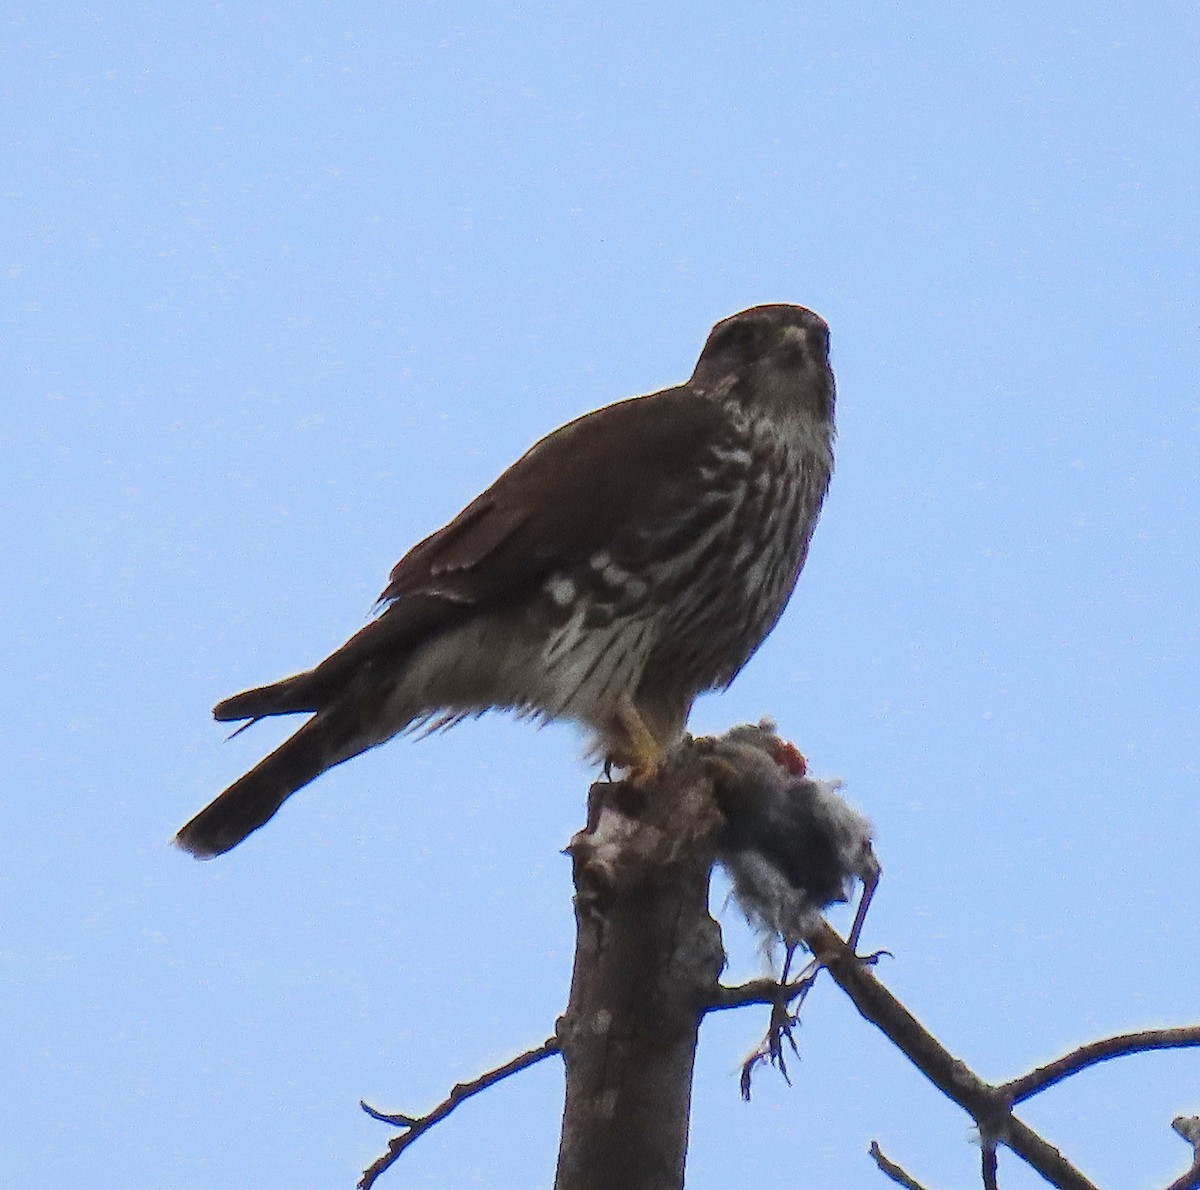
[769, 991]
[987, 1148]
[1037, 1080]
[757, 991]
[892, 1170]
[418, 1125]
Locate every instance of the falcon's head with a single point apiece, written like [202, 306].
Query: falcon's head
[774, 358]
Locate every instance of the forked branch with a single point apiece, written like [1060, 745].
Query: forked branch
[988, 1105]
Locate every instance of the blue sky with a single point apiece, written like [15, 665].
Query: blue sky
[285, 287]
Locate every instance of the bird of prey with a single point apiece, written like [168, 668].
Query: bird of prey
[629, 561]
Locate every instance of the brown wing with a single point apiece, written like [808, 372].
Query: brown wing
[569, 496]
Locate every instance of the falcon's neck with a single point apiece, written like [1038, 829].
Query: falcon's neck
[803, 395]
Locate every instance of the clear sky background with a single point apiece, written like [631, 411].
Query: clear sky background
[285, 286]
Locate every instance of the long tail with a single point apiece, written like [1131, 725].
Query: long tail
[345, 694]
[385, 642]
[290, 696]
[325, 740]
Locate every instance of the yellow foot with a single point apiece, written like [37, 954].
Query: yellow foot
[640, 753]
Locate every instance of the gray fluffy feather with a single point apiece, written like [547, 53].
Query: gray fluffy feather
[792, 845]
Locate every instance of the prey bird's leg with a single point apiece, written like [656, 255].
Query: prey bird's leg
[789, 954]
[870, 884]
[643, 752]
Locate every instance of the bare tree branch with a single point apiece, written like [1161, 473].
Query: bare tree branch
[987, 1105]
[1189, 1128]
[756, 991]
[418, 1125]
[892, 1170]
[987, 1149]
[647, 957]
[1189, 1180]
[973, 1094]
[1030, 1084]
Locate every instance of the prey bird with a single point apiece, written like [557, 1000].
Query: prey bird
[629, 561]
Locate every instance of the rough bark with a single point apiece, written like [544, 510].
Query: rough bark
[647, 958]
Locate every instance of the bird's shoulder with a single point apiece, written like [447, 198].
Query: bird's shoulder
[567, 496]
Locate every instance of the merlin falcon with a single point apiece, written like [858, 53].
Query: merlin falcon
[629, 561]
